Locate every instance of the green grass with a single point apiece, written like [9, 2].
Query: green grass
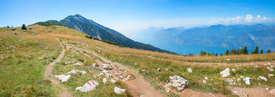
[22, 72]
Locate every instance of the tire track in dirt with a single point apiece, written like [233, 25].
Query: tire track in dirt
[49, 74]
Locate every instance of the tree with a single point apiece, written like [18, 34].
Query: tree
[256, 51]
[221, 54]
[232, 52]
[216, 54]
[268, 51]
[203, 53]
[227, 52]
[261, 52]
[244, 50]
[8, 26]
[24, 27]
[213, 54]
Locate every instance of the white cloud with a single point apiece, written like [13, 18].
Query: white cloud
[238, 20]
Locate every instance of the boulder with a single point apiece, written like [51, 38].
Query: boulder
[225, 72]
[63, 78]
[270, 75]
[89, 86]
[178, 82]
[119, 90]
[263, 78]
[247, 80]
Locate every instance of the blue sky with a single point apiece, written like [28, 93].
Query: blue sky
[129, 16]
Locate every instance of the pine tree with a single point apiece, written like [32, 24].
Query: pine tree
[213, 54]
[244, 50]
[268, 51]
[256, 51]
[232, 52]
[221, 54]
[24, 27]
[216, 54]
[261, 52]
[238, 52]
[227, 52]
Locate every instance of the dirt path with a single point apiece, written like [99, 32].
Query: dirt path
[138, 87]
[49, 74]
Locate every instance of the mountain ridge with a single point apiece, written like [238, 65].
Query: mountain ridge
[94, 29]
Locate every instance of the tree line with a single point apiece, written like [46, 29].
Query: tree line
[236, 52]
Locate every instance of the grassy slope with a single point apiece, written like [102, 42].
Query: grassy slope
[22, 72]
[24, 59]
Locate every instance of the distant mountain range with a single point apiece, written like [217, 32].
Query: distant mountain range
[94, 29]
[232, 36]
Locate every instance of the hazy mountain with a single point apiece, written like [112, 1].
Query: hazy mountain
[232, 36]
[94, 29]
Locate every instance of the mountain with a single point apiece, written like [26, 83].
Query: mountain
[94, 29]
[232, 36]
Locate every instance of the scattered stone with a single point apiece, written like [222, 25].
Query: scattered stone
[233, 70]
[178, 82]
[127, 78]
[118, 90]
[203, 81]
[113, 81]
[94, 65]
[143, 70]
[63, 78]
[241, 76]
[270, 75]
[270, 69]
[206, 78]
[104, 80]
[72, 72]
[107, 67]
[225, 72]
[263, 78]
[228, 59]
[40, 58]
[166, 69]
[78, 64]
[89, 86]
[135, 63]
[238, 79]
[189, 70]
[247, 80]
[108, 75]
[267, 89]
[158, 69]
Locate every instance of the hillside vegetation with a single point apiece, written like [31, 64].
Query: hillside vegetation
[24, 57]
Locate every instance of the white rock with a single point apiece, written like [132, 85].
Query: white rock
[203, 81]
[83, 72]
[127, 78]
[143, 70]
[166, 69]
[268, 64]
[263, 78]
[247, 80]
[241, 76]
[228, 59]
[108, 75]
[72, 72]
[233, 70]
[94, 64]
[113, 81]
[158, 69]
[238, 79]
[206, 78]
[189, 70]
[78, 64]
[104, 80]
[225, 72]
[89, 86]
[178, 82]
[119, 90]
[270, 69]
[270, 75]
[63, 78]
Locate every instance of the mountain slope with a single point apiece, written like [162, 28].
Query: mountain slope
[103, 33]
